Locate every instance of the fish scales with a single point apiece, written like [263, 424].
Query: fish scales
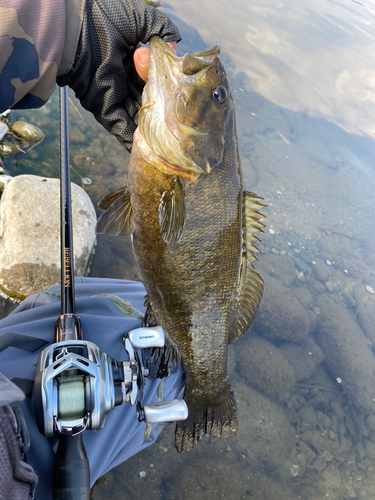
[192, 228]
[192, 284]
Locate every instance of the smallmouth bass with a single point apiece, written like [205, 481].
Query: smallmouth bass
[192, 228]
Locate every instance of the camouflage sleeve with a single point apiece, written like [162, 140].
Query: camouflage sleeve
[38, 41]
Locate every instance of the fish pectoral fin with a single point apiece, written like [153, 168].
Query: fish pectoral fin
[252, 283]
[117, 219]
[172, 213]
[107, 201]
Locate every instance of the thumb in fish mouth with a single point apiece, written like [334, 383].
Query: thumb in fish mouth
[142, 60]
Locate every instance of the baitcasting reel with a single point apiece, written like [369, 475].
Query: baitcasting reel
[77, 384]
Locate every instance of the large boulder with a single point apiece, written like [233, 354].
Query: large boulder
[262, 365]
[348, 352]
[281, 315]
[30, 234]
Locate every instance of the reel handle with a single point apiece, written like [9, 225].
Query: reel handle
[71, 472]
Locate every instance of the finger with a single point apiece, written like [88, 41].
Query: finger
[142, 60]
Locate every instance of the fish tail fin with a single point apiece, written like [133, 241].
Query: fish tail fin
[218, 419]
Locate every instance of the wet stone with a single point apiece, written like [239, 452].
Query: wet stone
[324, 422]
[308, 418]
[304, 358]
[322, 271]
[263, 367]
[264, 431]
[369, 448]
[310, 456]
[30, 233]
[348, 353]
[280, 267]
[281, 315]
[370, 422]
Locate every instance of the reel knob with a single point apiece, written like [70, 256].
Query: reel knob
[165, 411]
[143, 338]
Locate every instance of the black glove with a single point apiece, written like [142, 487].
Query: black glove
[103, 75]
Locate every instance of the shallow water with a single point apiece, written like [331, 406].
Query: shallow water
[304, 377]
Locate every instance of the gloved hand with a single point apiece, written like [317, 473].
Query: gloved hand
[103, 75]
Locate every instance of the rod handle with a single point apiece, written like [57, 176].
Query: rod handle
[71, 472]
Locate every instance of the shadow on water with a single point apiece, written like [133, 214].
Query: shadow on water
[304, 376]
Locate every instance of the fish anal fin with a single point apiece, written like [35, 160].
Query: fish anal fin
[218, 419]
[117, 219]
[252, 284]
[172, 213]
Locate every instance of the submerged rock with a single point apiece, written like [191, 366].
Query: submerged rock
[366, 311]
[280, 267]
[30, 234]
[262, 365]
[304, 358]
[348, 353]
[281, 315]
[265, 431]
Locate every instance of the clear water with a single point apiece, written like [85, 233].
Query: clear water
[303, 77]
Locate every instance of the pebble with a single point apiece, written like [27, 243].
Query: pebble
[3, 129]
[253, 114]
[142, 473]
[271, 231]
[369, 289]
[294, 470]
[328, 262]
[370, 422]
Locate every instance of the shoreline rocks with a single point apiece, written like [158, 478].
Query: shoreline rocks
[30, 234]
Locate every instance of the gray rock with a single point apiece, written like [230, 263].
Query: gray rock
[370, 422]
[370, 449]
[281, 315]
[322, 271]
[265, 431]
[30, 234]
[347, 350]
[366, 311]
[263, 367]
[304, 358]
[4, 180]
[280, 267]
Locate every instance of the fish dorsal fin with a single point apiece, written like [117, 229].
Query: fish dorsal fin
[107, 201]
[252, 284]
[191, 65]
[172, 213]
[117, 219]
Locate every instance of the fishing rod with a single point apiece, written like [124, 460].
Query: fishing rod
[77, 384]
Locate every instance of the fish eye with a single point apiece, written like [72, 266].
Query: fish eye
[219, 93]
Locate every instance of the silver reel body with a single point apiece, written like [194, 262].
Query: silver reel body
[77, 385]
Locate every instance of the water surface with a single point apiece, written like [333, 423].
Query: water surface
[303, 76]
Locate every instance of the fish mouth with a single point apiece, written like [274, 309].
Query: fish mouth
[158, 44]
[159, 125]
